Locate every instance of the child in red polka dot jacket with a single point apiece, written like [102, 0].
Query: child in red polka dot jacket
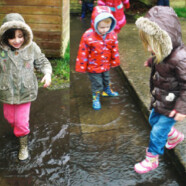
[98, 52]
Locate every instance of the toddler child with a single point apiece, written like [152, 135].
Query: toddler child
[98, 52]
[117, 9]
[160, 32]
[19, 55]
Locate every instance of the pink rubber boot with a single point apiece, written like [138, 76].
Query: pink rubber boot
[149, 163]
[174, 138]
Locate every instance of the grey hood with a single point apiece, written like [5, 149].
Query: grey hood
[15, 20]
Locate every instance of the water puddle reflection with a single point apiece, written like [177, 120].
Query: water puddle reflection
[48, 163]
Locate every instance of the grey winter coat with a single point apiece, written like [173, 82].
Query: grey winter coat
[18, 83]
[168, 78]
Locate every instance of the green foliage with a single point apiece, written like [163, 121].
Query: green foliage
[181, 12]
[61, 71]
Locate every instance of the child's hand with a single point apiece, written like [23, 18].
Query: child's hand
[80, 2]
[177, 116]
[46, 80]
[146, 64]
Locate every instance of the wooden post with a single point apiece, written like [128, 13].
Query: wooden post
[48, 19]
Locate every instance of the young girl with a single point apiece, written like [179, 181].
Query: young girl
[98, 52]
[19, 55]
[116, 7]
[160, 33]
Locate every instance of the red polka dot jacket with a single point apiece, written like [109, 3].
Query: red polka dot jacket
[96, 53]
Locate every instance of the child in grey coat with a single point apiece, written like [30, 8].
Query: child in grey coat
[19, 56]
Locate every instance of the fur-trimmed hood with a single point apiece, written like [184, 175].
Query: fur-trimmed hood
[15, 20]
[162, 22]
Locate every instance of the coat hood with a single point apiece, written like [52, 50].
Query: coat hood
[100, 13]
[15, 20]
[163, 23]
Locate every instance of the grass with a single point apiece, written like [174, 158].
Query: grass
[61, 71]
[181, 12]
[179, 7]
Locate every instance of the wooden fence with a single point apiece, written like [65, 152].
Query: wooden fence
[49, 20]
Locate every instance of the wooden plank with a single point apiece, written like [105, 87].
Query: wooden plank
[65, 33]
[47, 36]
[52, 53]
[49, 45]
[34, 10]
[44, 27]
[42, 19]
[39, 19]
[57, 3]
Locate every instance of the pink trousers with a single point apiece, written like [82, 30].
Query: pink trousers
[18, 117]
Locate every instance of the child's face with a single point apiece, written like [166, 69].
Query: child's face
[103, 27]
[18, 40]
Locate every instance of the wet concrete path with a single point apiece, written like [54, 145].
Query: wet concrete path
[48, 144]
[105, 144]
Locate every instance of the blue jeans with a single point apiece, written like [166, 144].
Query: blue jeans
[85, 7]
[161, 126]
[99, 81]
[163, 2]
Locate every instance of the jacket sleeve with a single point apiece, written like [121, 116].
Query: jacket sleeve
[126, 3]
[180, 105]
[101, 2]
[41, 63]
[150, 61]
[115, 60]
[82, 58]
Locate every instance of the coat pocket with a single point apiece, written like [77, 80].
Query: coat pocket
[28, 81]
[28, 91]
[4, 83]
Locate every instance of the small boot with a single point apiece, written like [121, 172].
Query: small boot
[149, 163]
[23, 149]
[174, 138]
[109, 92]
[95, 101]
